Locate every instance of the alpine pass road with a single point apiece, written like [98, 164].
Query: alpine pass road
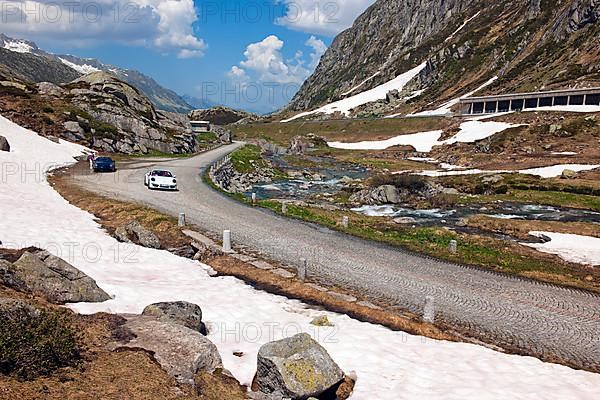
[537, 318]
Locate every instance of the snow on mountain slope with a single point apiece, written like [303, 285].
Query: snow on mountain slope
[377, 93]
[83, 69]
[18, 47]
[389, 365]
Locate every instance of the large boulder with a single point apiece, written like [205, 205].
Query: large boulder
[135, 231]
[179, 312]
[385, 194]
[4, 145]
[296, 368]
[180, 351]
[45, 274]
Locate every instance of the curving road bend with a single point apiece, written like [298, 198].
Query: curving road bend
[536, 318]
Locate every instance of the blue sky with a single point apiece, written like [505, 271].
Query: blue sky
[245, 54]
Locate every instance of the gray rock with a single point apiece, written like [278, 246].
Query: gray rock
[385, 194]
[179, 312]
[15, 308]
[137, 232]
[59, 281]
[49, 89]
[568, 174]
[180, 351]
[4, 145]
[296, 367]
[405, 220]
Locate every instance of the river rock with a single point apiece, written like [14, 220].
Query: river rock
[179, 312]
[180, 351]
[405, 220]
[297, 368]
[385, 194]
[298, 146]
[48, 275]
[4, 145]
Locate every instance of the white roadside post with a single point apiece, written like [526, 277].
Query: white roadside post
[181, 221]
[429, 310]
[253, 198]
[283, 208]
[226, 241]
[302, 269]
[453, 246]
[345, 222]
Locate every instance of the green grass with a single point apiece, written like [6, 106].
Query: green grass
[206, 137]
[247, 159]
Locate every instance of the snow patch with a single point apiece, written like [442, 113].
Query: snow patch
[573, 248]
[32, 213]
[18, 47]
[377, 93]
[551, 171]
[82, 69]
[460, 28]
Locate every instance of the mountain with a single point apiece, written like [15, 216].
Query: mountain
[27, 60]
[460, 44]
[198, 103]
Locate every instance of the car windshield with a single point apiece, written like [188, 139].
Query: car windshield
[166, 174]
[104, 159]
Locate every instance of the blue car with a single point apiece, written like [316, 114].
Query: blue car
[104, 164]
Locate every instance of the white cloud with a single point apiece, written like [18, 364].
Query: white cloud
[326, 18]
[266, 72]
[162, 24]
[264, 58]
[318, 49]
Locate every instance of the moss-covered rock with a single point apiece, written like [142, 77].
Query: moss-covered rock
[296, 367]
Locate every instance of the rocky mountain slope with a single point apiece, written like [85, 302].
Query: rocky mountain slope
[528, 44]
[97, 110]
[223, 115]
[34, 64]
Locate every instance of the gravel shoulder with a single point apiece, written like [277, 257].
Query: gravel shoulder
[543, 320]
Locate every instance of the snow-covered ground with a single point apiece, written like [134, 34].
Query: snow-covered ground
[574, 248]
[460, 28]
[422, 142]
[551, 171]
[389, 365]
[83, 69]
[377, 93]
[469, 132]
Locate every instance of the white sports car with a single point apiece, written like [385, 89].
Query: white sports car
[160, 179]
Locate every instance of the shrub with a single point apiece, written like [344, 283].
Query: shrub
[35, 343]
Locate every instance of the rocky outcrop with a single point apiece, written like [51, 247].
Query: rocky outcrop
[4, 145]
[133, 231]
[178, 312]
[221, 115]
[131, 124]
[224, 135]
[232, 181]
[45, 274]
[385, 194]
[180, 351]
[297, 368]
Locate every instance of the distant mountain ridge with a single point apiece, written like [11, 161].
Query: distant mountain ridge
[30, 62]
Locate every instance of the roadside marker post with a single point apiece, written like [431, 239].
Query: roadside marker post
[253, 198]
[429, 310]
[181, 221]
[453, 247]
[227, 241]
[283, 208]
[302, 269]
[345, 222]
